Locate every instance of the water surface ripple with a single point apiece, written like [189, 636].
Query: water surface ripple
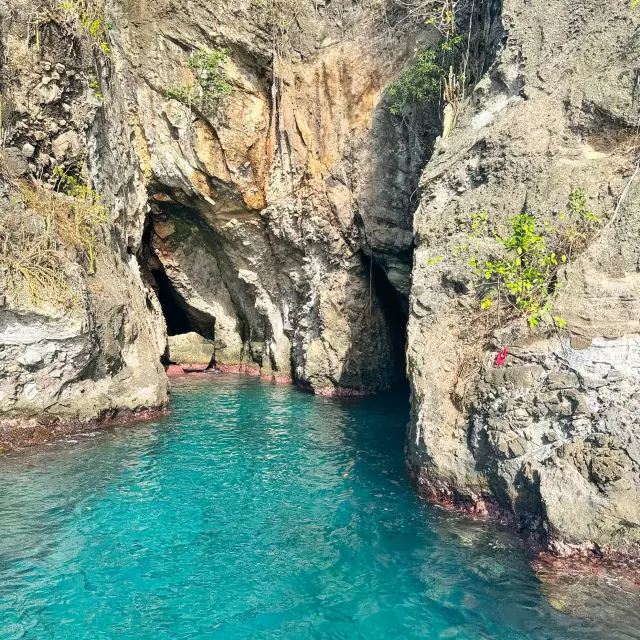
[258, 511]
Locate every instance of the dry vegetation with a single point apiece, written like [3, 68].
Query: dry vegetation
[41, 234]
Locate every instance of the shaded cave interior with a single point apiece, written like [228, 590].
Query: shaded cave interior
[395, 309]
[180, 318]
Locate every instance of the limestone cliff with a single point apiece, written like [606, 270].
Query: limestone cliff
[79, 338]
[551, 438]
[268, 208]
[266, 222]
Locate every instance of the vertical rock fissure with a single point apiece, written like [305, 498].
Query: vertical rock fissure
[394, 310]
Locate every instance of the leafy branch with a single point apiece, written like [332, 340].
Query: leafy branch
[520, 279]
[212, 86]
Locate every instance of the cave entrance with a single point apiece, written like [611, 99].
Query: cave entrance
[180, 317]
[175, 316]
[395, 308]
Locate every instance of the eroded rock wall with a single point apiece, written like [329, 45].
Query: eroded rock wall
[265, 214]
[94, 355]
[550, 438]
[267, 207]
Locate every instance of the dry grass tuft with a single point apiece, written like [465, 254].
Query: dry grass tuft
[37, 250]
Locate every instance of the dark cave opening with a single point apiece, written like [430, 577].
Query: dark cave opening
[175, 316]
[395, 310]
[179, 316]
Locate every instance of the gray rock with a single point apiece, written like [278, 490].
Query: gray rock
[28, 150]
[517, 447]
[66, 146]
[30, 358]
[511, 154]
[16, 164]
[190, 348]
[557, 380]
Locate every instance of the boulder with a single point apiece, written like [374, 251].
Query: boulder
[30, 358]
[190, 349]
[66, 145]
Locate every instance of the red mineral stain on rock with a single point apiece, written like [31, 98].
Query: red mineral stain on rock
[238, 368]
[175, 370]
[189, 368]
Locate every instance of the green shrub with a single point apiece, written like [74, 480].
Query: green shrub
[182, 94]
[420, 82]
[428, 78]
[207, 67]
[520, 279]
[212, 86]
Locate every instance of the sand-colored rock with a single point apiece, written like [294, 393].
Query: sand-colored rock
[190, 349]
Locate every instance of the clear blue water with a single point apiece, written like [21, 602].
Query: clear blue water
[258, 511]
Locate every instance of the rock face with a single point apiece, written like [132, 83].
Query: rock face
[551, 438]
[271, 230]
[264, 222]
[80, 339]
[190, 349]
[270, 207]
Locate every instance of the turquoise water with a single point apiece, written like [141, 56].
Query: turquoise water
[258, 511]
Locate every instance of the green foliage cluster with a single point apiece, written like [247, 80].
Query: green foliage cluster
[521, 278]
[75, 187]
[93, 83]
[212, 86]
[89, 19]
[525, 272]
[426, 79]
[421, 82]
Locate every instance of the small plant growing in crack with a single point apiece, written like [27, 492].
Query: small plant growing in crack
[520, 276]
[87, 18]
[212, 87]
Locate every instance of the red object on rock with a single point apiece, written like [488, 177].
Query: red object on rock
[174, 370]
[501, 357]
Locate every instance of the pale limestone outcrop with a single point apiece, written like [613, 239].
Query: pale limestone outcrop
[190, 349]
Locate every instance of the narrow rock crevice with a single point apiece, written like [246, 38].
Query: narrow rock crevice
[395, 312]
